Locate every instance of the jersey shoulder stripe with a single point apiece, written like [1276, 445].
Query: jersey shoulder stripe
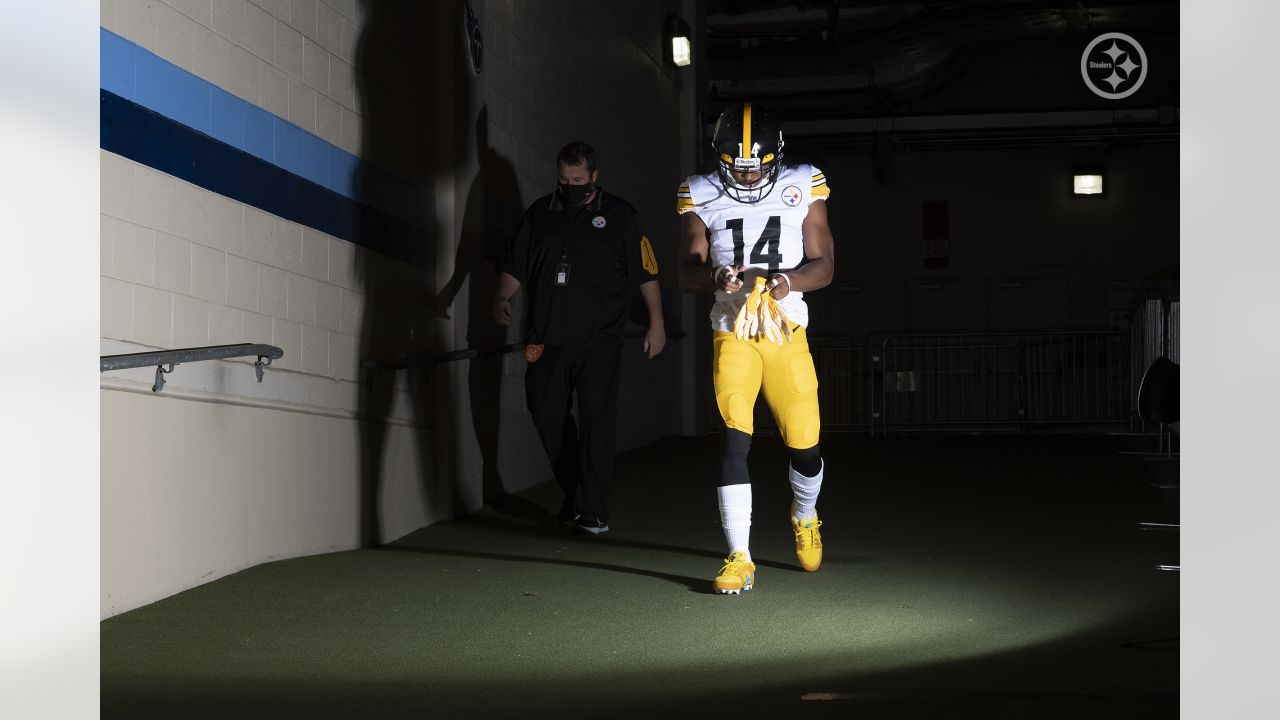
[684, 200]
[819, 188]
[702, 190]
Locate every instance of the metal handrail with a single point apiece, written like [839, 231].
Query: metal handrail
[172, 358]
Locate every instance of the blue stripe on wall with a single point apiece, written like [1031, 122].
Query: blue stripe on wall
[139, 76]
[173, 147]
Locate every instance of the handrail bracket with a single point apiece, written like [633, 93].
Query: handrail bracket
[260, 365]
[160, 373]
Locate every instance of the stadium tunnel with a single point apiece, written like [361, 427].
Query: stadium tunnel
[364, 526]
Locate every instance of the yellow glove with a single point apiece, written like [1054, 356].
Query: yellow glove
[767, 323]
[776, 324]
[747, 324]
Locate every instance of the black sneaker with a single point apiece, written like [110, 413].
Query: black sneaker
[567, 515]
[584, 525]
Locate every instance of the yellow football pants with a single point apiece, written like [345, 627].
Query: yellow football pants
[786, 374]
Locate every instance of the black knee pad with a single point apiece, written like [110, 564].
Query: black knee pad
[735, 445]
[807, 462]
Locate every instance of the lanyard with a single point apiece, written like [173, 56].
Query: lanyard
[578, 214]
[561, 278]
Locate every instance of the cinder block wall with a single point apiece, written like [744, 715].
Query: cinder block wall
[331, 177]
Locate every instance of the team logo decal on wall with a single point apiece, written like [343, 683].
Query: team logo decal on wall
[791, 196]
[475, 40]
[598, 221]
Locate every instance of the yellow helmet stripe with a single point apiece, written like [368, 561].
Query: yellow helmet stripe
[746, 130]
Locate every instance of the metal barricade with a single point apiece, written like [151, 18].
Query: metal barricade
[1155, 335]
[846, 388]
[1004, 381]
[969, 381]
[846, 383]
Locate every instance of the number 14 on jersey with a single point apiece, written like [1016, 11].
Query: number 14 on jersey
[765, 250]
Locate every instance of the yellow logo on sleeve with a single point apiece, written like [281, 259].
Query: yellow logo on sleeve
[647, 258]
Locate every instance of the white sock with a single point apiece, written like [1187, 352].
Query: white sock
[806, 491]
[735, 516]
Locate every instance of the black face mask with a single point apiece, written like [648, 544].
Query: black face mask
[575, 194]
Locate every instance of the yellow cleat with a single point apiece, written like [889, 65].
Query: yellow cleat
[808, 542]
[736, 576]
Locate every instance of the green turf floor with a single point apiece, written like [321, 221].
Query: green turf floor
[984, 577]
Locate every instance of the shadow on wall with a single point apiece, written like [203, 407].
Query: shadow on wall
[405, 315]
[491, 214]
[397, 60]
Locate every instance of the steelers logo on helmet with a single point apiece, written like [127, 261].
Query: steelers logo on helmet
[748, 146]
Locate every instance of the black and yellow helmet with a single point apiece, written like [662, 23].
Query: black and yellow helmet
[748, 138]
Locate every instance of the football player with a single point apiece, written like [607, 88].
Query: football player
[753, 217]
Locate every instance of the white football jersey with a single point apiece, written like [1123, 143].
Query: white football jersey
[766, 234]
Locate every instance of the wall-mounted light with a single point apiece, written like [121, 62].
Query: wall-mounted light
[1088, 180]
[680, 51]
[680, 40]
[1088, 185]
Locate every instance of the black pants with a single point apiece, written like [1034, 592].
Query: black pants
[581, 453]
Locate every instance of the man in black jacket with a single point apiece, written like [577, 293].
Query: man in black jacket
[580, 254]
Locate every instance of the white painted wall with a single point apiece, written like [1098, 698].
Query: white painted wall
[194, 490]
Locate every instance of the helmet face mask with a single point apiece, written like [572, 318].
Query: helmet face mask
[747, 141]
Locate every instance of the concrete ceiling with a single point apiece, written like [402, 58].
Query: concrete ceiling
[823, 61]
